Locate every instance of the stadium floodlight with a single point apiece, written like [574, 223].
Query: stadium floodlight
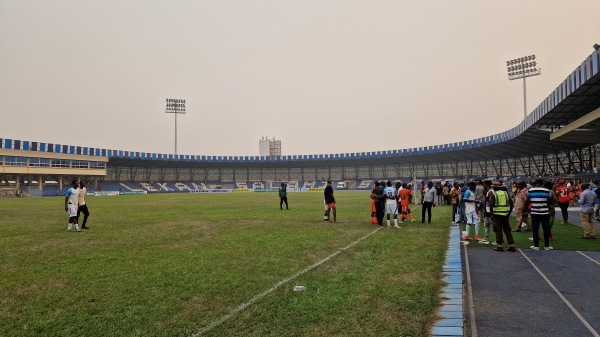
[175, 106]
[523, 67]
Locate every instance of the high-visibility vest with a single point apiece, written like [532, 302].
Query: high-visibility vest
[501, 205]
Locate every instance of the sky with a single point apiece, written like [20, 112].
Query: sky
[322, 76]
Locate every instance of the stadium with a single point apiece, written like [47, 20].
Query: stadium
[198, 243]
[559, 138]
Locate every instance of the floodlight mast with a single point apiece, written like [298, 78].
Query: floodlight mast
[523, 67]
[175, 106]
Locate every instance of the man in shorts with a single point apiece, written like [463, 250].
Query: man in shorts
[330, 201]
[71, 202]
[391, 203]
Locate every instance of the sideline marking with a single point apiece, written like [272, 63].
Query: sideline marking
[243, 306]
[470, 291]
[587, 325]
[589, 258]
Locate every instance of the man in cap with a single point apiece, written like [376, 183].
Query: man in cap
[500, 207]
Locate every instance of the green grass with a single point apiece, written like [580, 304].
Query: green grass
[168, 265]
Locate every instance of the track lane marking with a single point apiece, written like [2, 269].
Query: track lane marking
[587, 325]
[470, 292]
[589, 258]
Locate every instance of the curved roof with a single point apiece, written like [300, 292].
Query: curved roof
[575, 98]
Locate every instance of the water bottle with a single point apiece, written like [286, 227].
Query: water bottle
[299, 288]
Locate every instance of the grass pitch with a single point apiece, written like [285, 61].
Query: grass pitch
[216, 265]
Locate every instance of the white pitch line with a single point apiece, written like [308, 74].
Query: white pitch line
[243, 306]
[587, 325]
[589, 258]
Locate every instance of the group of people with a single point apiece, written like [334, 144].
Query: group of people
[534, 207]
[75, 205]
[394, 202]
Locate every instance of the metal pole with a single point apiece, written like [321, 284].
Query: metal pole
[524, 99]
[175, 132]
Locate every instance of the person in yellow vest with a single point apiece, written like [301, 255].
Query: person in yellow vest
[500, 206]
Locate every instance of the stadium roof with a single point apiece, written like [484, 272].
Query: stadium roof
[569, 118]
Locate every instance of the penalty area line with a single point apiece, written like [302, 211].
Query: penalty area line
[243, 306]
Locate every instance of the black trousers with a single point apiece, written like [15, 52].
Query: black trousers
[83, 209]
[563, 209]
[379, 207]
[536, 221]
[281, 201]
[426, 207]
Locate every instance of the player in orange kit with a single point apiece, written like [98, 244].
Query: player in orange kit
[405, 196]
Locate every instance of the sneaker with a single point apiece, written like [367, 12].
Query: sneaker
[467, 238]
[85, 227]
[593, 237]
[484, 242]
[499, 249]
[548, 248]
[511, 249]
[478, 238]
[397, 226]
[494, 243]
[585, 237]
[390, 226]
[535, 248]
[413, 220]
[516, 230]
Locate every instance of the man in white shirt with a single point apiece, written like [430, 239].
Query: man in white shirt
[71, 202]
[391, 203]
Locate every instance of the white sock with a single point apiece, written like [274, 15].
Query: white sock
[395, 222]
[476, 229]
[468, 229]
[388, 222]
[69, 226]
[76, 227]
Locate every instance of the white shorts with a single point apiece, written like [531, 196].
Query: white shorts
[472, 218]
[391, 208]
[72, 210]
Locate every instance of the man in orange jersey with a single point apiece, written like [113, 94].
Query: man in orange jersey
[373, 208]
[405, 196]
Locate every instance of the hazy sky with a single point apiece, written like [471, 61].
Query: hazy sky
[324, 76]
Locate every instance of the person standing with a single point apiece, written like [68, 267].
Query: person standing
[330, 201]
[391, 204]
[500, 207]
[588, 201]
[597, 206]
[522, 212]
[405, 195]
[562, 193]
[429, 200]
[454, 199]
[548, 185]
[380, 198]
[82, 206]
[540, 200]
[373, 207]
[471, 212]
[283, 196]
[71, 201]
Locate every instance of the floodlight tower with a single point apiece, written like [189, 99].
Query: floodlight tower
[522, 68]
[175, 106]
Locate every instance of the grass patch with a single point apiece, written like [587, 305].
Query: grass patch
[169, 264]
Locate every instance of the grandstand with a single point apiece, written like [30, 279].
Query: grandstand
[559, 137]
